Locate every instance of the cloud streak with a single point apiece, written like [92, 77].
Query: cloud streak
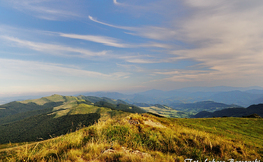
[44, 9]
[151, 32]
[32, 68]
[225, 37]
[117, 3]
[110, 25]
[108, 41]
[52, 49]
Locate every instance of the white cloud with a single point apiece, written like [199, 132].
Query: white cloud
[225, 37]
[114, 26]
[141, 61]
[158, 45]
[152, 32]
[27, 70]
[45, 9]
[109, 41]
[116, 3]
[98, 39]
[53, 49]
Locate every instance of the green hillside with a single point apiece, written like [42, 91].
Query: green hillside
[43, 127]
[143, 137]
[165, 111]
[18, 110]
[23, 115]
[15, 107]
[64, 114]
[117, 131]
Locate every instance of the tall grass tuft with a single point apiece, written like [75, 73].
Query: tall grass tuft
[137, 137]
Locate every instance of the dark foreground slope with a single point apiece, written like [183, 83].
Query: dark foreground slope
[15, 108]
[43, 127]
[148, 138]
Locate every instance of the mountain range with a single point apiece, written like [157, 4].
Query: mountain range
[92, 121]
[242, 96]
[233, 112]
[227, 95]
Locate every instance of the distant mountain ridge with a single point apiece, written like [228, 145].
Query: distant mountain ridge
[233, 112]
[222, 94]
[243, 96]
[209, 106]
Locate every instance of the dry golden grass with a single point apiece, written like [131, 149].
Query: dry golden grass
[134, 138]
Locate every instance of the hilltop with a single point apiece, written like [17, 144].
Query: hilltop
[149, 138]
[38, 119]
[90, 128]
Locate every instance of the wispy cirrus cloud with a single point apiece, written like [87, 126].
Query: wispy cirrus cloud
[152, 32]
[145, 59]
[109, 41]
[52, 48]
[32, 68]
[45, 9]
[68, 51]
[107, 24]
[98, 39]
[117, 3]
[225, 37]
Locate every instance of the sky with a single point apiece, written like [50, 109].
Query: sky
[65, 46]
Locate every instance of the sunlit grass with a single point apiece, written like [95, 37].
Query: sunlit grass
[247, 130]
[167, 112]
[138, 138]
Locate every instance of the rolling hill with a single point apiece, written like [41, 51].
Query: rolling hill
[55, 115]
[88, 128]
[143, 137]
[165, 111]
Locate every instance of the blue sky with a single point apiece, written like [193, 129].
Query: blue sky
[64, 46]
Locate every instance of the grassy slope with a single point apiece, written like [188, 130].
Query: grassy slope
[149, 138]
[248, 130]
[53, 98]
[15, 111]
[43, 126]
[105, 113]
[23, 115]
[42, 123]
[166, 111]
